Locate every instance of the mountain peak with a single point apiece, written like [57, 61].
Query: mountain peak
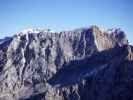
[34, 58]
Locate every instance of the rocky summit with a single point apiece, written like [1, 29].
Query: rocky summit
[83, 64]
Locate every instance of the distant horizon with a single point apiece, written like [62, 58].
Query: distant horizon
[60, 15]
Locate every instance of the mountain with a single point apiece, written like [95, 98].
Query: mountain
[82, 64]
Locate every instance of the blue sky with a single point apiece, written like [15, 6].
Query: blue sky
[17, 15]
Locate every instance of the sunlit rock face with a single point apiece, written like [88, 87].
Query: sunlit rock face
[108, 39]
[70, 65]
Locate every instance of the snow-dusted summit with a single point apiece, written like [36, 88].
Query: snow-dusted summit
[82, 64]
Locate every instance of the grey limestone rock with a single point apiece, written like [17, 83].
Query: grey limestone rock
[83, 64]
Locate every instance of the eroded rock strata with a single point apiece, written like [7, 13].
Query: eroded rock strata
[83, 64]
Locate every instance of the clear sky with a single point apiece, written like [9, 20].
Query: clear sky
[17, 15]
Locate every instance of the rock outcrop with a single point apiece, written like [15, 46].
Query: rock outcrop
[84, 64]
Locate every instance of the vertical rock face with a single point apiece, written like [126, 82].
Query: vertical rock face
[106, 40]
[39, 64]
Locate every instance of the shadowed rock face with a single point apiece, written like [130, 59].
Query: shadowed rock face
[84, 64]
[104, 76]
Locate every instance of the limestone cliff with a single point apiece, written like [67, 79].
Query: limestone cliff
[72, 65]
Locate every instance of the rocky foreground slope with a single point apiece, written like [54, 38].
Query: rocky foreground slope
[84, 64]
